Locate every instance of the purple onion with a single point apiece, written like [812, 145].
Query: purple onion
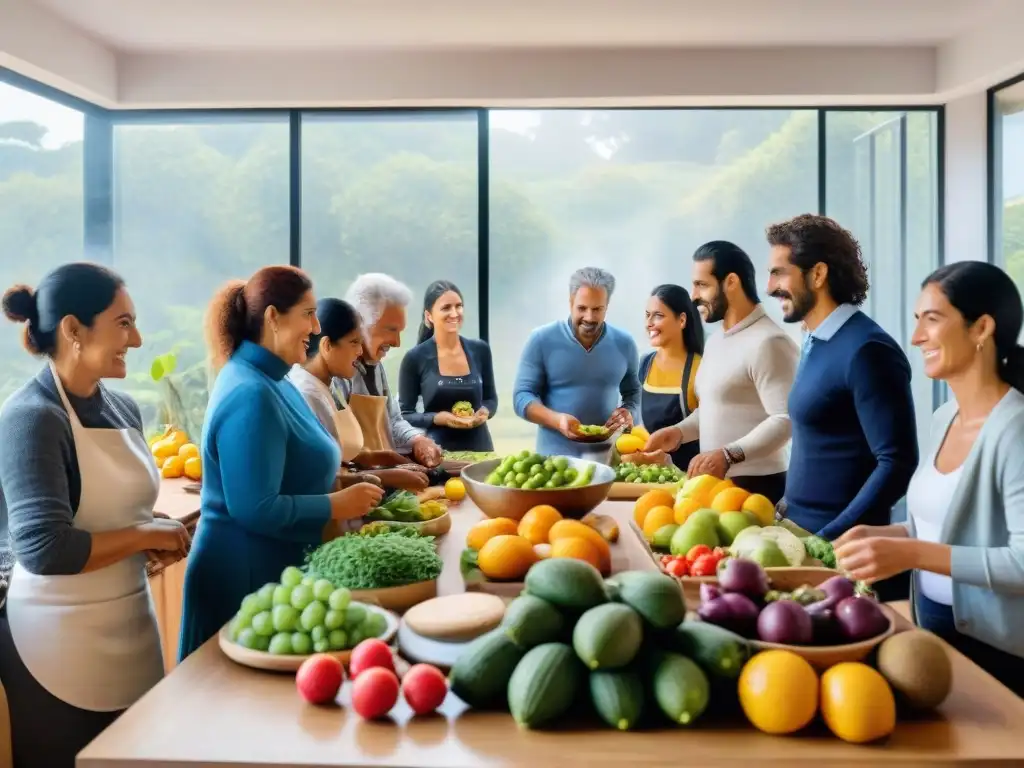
[838, 587]
[709, 592]
[860, 618]
[785, 622]
[744, 577]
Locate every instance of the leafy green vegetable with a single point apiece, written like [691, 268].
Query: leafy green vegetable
[472, 456]
[468, 561]
[820, 549]
[374, 562]
[401, 506]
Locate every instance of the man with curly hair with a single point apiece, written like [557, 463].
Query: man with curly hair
[854, 445]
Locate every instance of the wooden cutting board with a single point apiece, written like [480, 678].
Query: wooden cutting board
[453, 618]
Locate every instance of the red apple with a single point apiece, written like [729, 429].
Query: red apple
[374, 692]
[319, 678]
[370, 653]
[424, 688]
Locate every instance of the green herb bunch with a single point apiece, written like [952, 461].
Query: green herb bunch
[375, 562]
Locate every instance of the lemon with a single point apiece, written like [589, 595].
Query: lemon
[778, 691]
[173, 466]
[454, 490]
[188, 450]
[857, 703]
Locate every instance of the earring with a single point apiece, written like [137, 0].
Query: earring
[980, 346]
[78, 347]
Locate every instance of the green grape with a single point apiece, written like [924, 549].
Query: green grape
[262, 642]
[263, 624]
[282, 595]
[321, 646]
[319, 632]
[265, 597]
[334, 619]
[281, 644]
[285, 618]
[338, 640]
[250, 606]
[354, 615]
[291, 576]
[234, 628]
[355, 637]
[247, 638]
[302, 595]
[322, 590]
[374, 624]
[312, 615]
[339, 599]
[302, 643]
[309, 581]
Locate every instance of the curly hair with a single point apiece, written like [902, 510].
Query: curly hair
[814, 239]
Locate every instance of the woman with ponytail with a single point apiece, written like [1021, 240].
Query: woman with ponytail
[269, 467]
[451, 378]
[964, 534]
[668, 372]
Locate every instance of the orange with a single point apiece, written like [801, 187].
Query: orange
[188, 450]
[537, 522]
[721, 486]
[173, 466]
[577, 548]
[564, 529]
[778, 691]
[480, 533]
[760, 507]
[164, 448]
[193, 468]
[656, 518]
[684, 507]
[506, 558]
[857, 703]
[729, 500]
[699, 489]
[659, 497]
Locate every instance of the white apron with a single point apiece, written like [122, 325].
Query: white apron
[91, 639]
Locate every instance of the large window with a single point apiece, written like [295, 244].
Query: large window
[1008, 179]
[41, 204]
[195, 204]
[882, 184]
[397, 194]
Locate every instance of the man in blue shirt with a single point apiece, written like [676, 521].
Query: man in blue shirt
[854, 445]
[578, 371]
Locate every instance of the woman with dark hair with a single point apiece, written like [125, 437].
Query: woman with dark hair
[667, 373]
[333, 353]
[451, 376]
[79, 642]
[269, 467]
[964, 534]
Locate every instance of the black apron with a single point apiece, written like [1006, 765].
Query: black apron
[659, 409]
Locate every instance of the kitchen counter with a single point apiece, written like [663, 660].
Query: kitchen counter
[212, 712]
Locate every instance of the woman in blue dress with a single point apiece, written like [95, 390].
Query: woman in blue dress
[269, 466]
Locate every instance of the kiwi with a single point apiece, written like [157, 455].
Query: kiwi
[917, 667]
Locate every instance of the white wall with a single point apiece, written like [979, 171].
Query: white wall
[966, 205]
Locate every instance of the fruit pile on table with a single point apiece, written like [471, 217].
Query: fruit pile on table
[531, 471]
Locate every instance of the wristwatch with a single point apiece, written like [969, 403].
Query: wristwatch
[733, 455]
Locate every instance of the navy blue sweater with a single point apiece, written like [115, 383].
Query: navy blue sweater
[854, 444]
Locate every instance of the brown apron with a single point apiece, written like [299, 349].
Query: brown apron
[350, 434]
[371, 413]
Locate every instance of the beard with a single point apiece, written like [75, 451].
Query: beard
[715, 309]
[800, 304]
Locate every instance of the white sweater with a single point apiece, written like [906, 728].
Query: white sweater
[743, 387]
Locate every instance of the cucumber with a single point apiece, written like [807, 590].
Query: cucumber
[566, 583]
[481, 673]
[681, 688]
[618, 697]
[544, 684]
[718, 651]
[530, 621]
[658, 598]
[608, 636]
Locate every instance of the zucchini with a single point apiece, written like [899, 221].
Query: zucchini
[544, 684]
[618, 697]
[681, 688]
[608, 636]
[566, 583]
[481, 673]
[658, 598]
[530, 621]
[718, 651]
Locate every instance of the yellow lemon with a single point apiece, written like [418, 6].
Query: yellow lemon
[699, 489]
[656, 518]
[454, 490]
[778, 691]
[188, 450]
[857, 703]
[173, 466]
[760, 507]
[651, 499]
[193, 468]
[684, 507]
[729, 500]
[165, 448]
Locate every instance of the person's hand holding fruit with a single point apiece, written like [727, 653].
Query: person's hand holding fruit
[569, 426]
[620, 418]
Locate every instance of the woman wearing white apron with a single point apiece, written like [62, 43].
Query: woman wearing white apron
[78, 637]
[333, 353]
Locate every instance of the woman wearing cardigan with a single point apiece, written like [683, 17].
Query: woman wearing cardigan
[269, 467]
[444, 369]
[964, 535]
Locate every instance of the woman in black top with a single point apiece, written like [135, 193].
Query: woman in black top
[667, 373]
[444, 369]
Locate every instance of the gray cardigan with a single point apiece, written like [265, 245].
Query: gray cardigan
[985, 526]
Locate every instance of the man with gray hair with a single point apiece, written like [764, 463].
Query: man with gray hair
[578, 371]
[380, 301]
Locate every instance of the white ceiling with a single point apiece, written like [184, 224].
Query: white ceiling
[195, 25]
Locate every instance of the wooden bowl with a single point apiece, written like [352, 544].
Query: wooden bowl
[291, 663]
[496, 501]
[398, 599]
[822, 657]
[439, 526]
[598, 438]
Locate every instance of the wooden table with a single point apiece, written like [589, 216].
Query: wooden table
[212, 712]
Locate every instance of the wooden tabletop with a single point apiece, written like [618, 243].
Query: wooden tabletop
[174, 501]
[210, 711]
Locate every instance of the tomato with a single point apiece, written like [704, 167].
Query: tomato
[720, 552]
[704, 565]
[678, 568]
[666, 559]
[697, 551]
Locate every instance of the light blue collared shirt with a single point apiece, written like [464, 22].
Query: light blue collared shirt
[836, 320]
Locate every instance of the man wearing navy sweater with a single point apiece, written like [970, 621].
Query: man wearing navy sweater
[854, 445]
[578, 371]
